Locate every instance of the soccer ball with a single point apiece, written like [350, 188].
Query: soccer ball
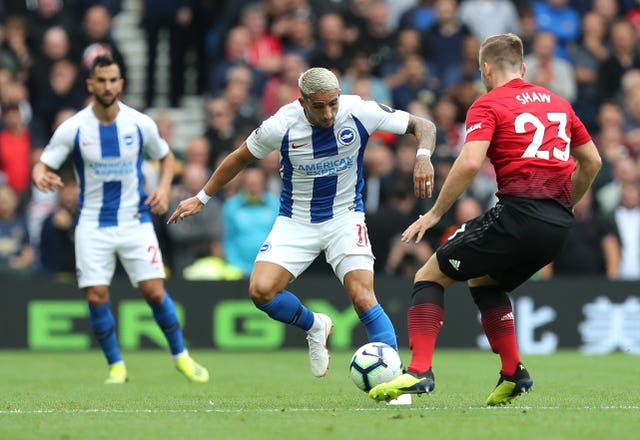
[374, 363]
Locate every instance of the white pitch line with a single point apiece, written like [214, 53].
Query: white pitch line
[294, 410]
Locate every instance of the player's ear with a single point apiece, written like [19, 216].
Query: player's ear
[523, 70]
[301, 101]
[89, 85]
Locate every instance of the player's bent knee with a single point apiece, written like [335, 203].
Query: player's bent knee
[97, 295]
[261, 293]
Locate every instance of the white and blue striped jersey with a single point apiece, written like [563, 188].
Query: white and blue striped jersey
[322, 168]
[108, 163]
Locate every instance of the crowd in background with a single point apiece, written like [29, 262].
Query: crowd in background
[414, 55]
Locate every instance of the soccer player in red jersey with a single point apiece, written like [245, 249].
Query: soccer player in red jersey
[544, 161]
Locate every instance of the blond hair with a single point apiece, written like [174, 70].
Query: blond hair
[317, 80]
[504, 51]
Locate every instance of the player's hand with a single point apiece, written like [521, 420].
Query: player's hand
[47, 181]
[185, 208]
[423, 177]
[419, 227]
[158, 201]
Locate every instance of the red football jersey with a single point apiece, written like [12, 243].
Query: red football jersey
[531, 131]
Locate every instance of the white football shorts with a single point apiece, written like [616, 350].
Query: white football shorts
[344, 240]
[135, 244]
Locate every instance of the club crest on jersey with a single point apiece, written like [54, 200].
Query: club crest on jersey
[128, 139]
[266, 247]
[346, 136]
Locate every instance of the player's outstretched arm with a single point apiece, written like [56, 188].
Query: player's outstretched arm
[228, 169]
[462, 173]
[423, 174]
[44, 178]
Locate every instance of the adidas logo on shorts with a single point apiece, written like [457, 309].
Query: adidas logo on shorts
[454, 263]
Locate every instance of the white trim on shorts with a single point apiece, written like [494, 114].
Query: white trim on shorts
[135, 244]
[294, 245]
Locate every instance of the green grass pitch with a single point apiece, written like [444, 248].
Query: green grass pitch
[272, 395]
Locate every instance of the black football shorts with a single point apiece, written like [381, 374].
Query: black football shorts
[507, 243]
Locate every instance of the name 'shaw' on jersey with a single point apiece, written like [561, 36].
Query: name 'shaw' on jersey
[532, 132]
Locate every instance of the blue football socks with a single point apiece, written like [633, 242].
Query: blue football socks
[379, 327]
[165, 315]
[286, 307]
[104, 327]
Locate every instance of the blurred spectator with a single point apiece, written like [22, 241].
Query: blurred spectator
[417, 83]
[15, 93]
[49, 13]
[420, 17]
[527, 28]
[97, 39]
[206, 15]
[625, 171]
[560, 19]
[322, 7]
[265, 50]
[586, 56]
[378, 167]
[16, 253]
[355, 19]
[484, 186]
[81, 6]
[444, 43]
[406, 258]
[41, 203]
[632, 113]
[608, 10]
[627, 220]
[56, 248]
[220, 129]
[333, 51]
[15, 150]
[489, 17]
[450, 131]
[548, 70]
[377, 38]
[198, 151]
[470, 71]
[17, 42]
[361, 68]
[186, 237]
[389, 221]
[174, 16]
[55, 47]
[284, 85]
[236, 54]
[623, 57]
[300, 36]
[64, 90]
[408, 43]
[248, 218]
[592, 247]
[246, 107]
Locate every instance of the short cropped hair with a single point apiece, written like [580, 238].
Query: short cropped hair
[317, 80]
[102, 61]
[504, 51]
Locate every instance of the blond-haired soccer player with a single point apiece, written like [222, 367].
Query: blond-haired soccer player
[321, 138]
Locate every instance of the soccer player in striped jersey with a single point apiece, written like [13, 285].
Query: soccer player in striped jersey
[545, 161]
[107, 141]
[321, 138]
